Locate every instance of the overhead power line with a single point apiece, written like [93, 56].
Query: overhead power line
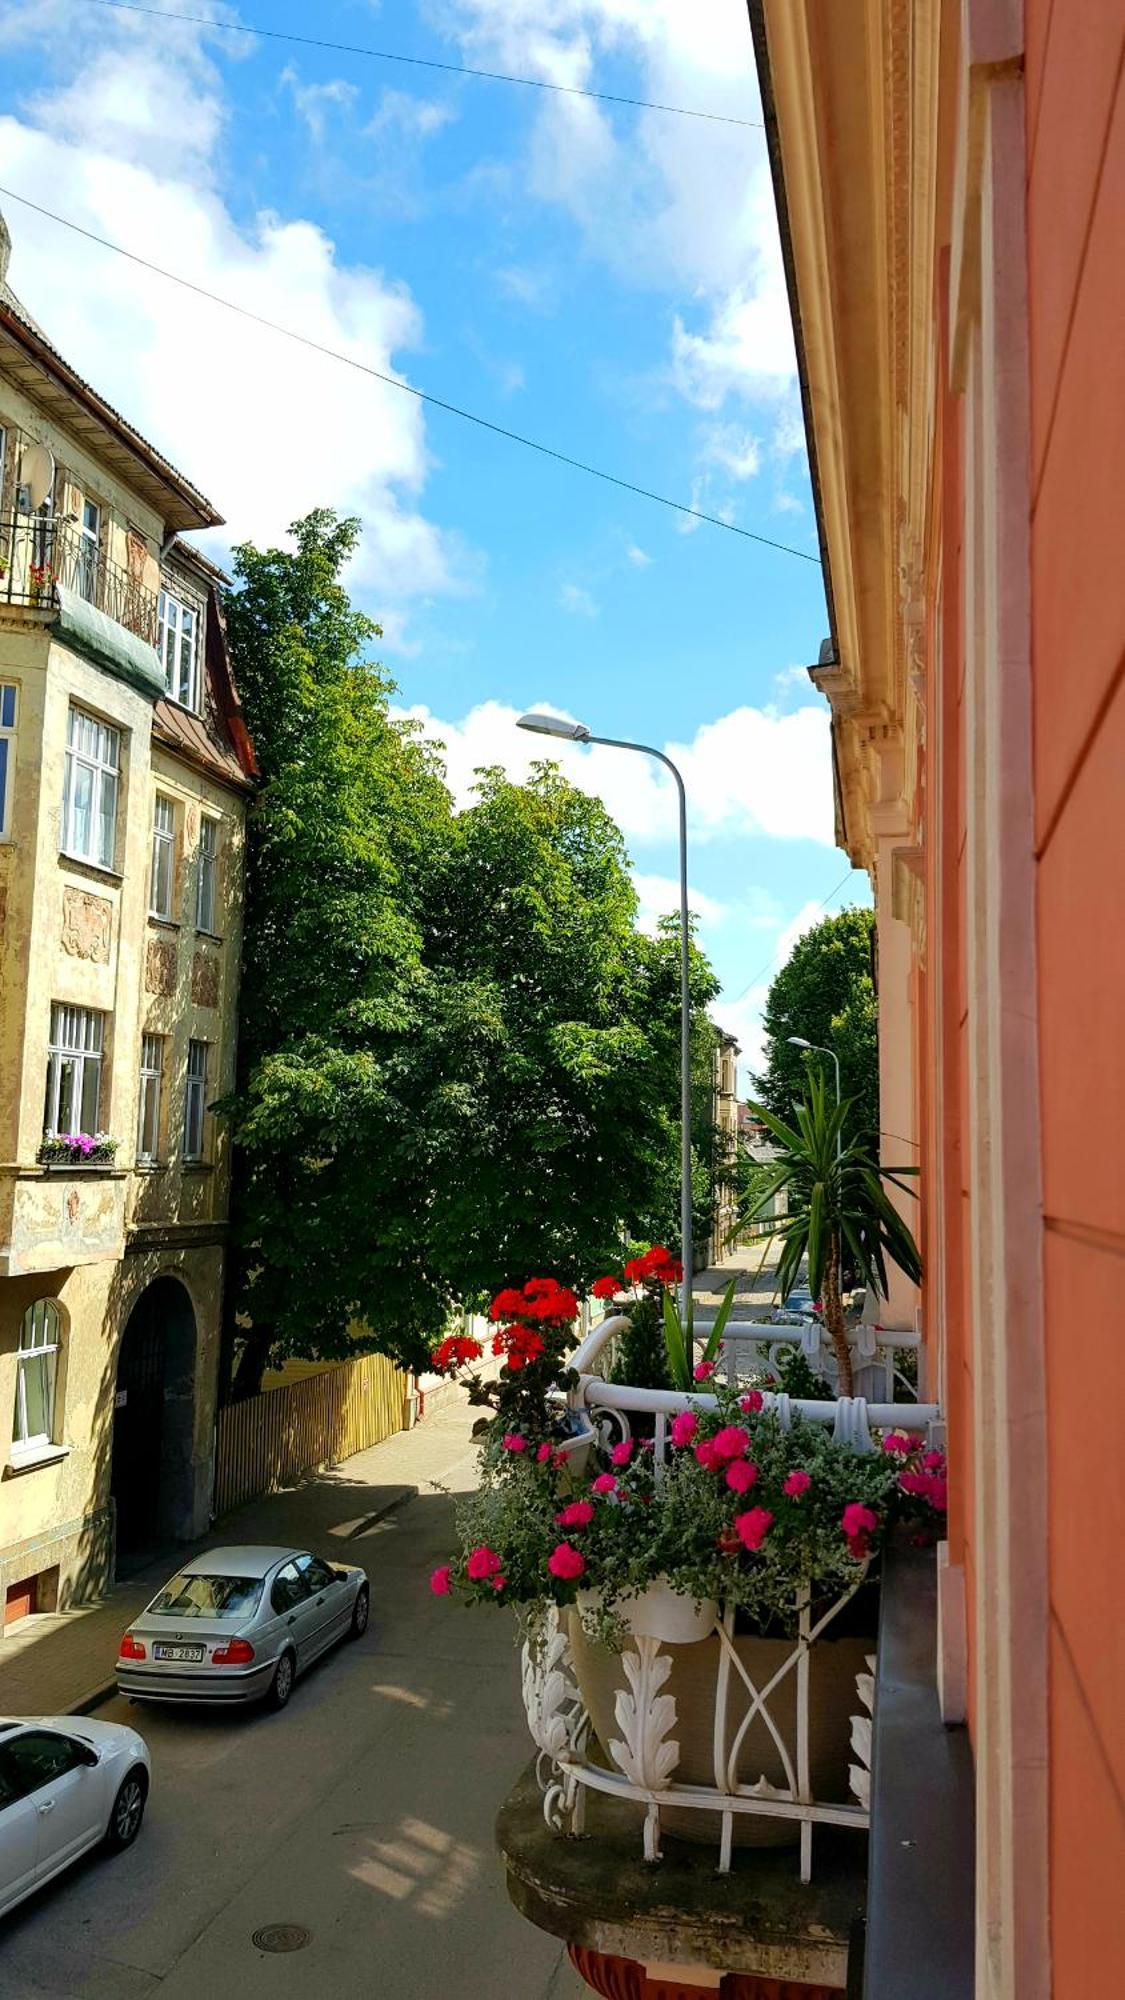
[771, 960]
[425, 62]
[407, 388]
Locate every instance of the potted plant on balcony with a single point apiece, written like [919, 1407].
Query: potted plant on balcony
[77, 1149]
[839, 1211]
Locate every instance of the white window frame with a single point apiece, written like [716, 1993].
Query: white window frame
[148, 1102]
[178, 646]
[40, 1341]
[93, 751]
[77, 1045]
[195, 1099]
[206, 883]
[89, 542]
[162, 876]
[8, 728]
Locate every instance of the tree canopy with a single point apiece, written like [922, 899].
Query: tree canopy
[825, 991]
[459, 1055]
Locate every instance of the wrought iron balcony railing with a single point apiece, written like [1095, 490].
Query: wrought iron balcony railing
[761, 1702]
[39, 552]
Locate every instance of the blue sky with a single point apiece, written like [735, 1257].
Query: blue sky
[602, 278]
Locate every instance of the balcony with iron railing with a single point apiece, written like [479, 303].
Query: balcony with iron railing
[41, 554]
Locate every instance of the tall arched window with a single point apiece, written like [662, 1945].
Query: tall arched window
[36, 1371]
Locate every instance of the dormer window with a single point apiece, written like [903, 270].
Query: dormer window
[178, 646]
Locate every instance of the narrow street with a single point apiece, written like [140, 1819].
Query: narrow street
[363, 1813]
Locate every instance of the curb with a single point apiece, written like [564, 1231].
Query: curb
[89, 1702]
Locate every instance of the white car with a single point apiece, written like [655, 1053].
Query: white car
[66, 1784]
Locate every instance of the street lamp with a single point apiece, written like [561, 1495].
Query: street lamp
[578, 732]
[815, 1049]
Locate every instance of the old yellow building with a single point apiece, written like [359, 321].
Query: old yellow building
[124, 772]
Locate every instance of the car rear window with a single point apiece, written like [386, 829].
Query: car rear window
[195, 1596]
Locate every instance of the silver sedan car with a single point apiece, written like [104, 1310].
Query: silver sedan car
[239, 1625]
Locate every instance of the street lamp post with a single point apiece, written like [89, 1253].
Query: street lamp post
[814, 1048]
[577, 732]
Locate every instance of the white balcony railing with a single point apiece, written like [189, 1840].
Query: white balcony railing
[751, 1703]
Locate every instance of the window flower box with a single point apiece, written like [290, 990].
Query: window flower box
[77, 1149]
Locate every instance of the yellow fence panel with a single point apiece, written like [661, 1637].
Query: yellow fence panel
[284, 1435]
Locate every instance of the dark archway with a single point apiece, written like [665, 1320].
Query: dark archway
[151, 1475]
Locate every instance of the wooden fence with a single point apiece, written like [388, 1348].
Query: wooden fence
[285, 1434]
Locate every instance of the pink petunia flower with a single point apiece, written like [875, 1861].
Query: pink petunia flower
[578, 1514]
[514, 1442]
[482, 1564]
[898, 1442]
[623, 1452]
[441, 1581]
[684, 1427]
[605, 1483]
[710, 1459]
[566, 1562]
[703, 1371]
[796, 1483]
[751, 1402]
[741, 1475]
[543, 1454]
[753, 1527]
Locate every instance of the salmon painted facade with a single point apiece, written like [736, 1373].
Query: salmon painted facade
[951, 184]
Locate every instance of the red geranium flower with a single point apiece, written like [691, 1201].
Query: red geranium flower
[605, 1288]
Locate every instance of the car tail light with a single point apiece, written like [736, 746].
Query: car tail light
[131, 1649]
[236, 1653]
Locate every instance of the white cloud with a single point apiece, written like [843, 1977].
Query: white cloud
[750, 772]
[732, 449]
[638, 557]
[659, 896]
[642, 185]
[266, 428]
[577, 601]
[532, 289]
[313, 101]
[401, 114]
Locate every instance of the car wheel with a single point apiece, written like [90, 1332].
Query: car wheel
[128, 1811]
[281, 1686]
[361, 1611]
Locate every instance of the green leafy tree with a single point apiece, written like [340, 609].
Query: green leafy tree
[554, 1105]
[825, 991]
[839, 1211]
[331, 1171]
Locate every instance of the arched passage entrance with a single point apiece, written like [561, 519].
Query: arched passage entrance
[151, 1477]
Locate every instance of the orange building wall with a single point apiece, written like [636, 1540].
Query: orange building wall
[1075, 101]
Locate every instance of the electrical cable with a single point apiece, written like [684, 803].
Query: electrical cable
[424, 62]
[751, 983]
[407, 388]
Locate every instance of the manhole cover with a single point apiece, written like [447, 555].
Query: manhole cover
[281, 1937]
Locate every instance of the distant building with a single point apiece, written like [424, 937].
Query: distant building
[725, 1110]
[124, 772]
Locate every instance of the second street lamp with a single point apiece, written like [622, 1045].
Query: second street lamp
[816, 1049]
[578, 732]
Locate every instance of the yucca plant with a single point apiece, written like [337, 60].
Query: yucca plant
[838, 1207]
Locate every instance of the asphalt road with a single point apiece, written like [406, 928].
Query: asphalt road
[363, 1814]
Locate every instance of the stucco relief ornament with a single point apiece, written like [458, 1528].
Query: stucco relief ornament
[205, 980]
[87, 923]
[73, 1204]
[645, 1752]
[160, 967]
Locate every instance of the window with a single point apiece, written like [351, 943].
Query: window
[162, 885]
[195, 1102]
[205, 885]
[74, 1071]
[193, 1595]
[89, 537]
[38, 1757]
[93, 768]
[288, 1590]
[36, 1368]
[9, 708]
[178, 646]
[315, 1574]
[148, 1114]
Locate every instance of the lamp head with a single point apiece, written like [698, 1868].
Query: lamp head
[799, 1042]
[554, 725]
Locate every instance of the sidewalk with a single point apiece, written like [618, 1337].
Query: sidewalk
[755, 1267]
[62, 1663]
